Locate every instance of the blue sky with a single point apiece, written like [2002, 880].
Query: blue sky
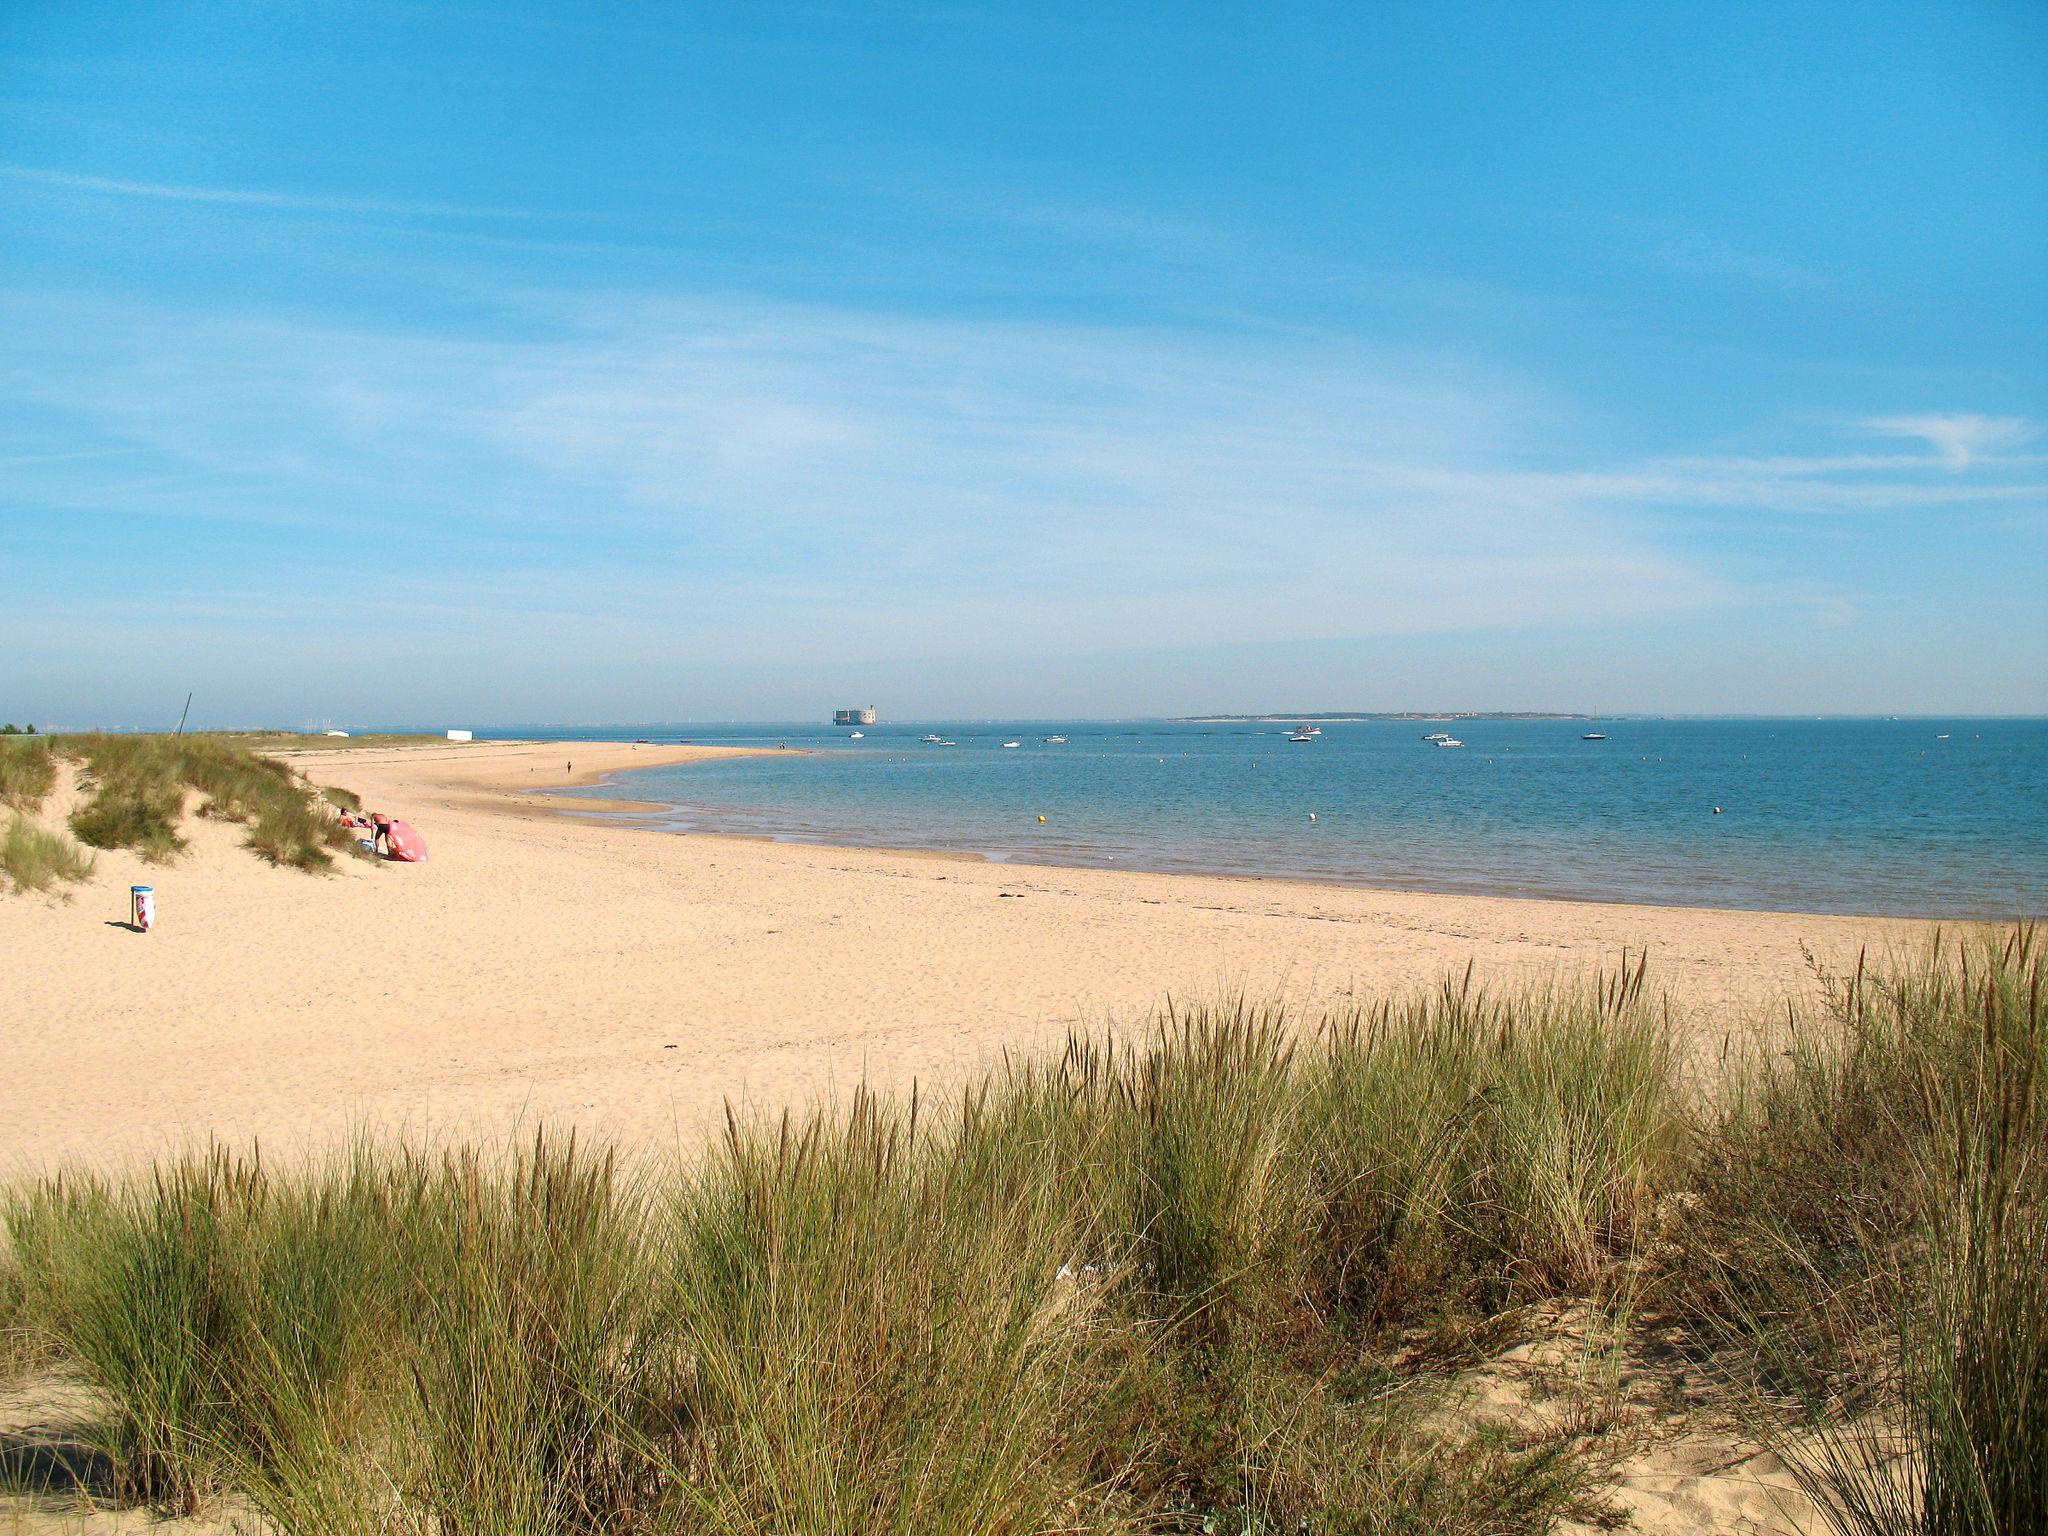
[434, 362]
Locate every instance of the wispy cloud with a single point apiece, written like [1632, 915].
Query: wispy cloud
[804, 483]
[1959, 438]
[237, 197]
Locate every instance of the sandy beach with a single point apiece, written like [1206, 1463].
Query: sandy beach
[553, 966]
[555, 960]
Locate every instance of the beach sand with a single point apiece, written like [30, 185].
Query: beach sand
[554, 967]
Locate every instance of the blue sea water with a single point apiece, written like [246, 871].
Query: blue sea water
[1930, 817]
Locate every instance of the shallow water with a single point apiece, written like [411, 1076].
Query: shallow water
[1833, 816]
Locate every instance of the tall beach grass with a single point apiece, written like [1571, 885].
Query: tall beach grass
[1871, 1239]
[33, 858]
[138, 787]
[28, 772]
[1219, 1276]
[1139, 1286]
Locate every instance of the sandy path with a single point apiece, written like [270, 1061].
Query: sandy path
[630, 981]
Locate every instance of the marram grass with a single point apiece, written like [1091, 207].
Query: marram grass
[28, 772]
[1871, 1241]
[1217, 1277]
[33, 858]
[138, 787]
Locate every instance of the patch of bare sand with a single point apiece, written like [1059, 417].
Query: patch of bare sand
[56, 1480]
[1680, 1464]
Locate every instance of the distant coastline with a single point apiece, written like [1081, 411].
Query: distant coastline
[1329, 717]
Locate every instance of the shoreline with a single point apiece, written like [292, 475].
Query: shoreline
[498, 787]
[660, 816]
[549, 965]
[640, 815]
[500, 791]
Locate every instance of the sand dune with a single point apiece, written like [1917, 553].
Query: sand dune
[545, 965]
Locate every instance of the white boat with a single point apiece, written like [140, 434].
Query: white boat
[1013, 743]
[1304, 734]
[932, 738]
[1450, 741]
[949, 743]
[1055, 741]
[1438, 736]
[1593, 736]
[858, 736]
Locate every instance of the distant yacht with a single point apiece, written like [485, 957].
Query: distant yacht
[1942, 737]
[1055, 741]
[1438, 736]
[1593, 736]
[858, 736]
[1302, 733]
[1013, 743]
[1449, 741]
[932, 738]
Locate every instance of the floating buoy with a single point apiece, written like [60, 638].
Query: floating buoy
[1311, 815]
[1717, 810]
[1041, 818]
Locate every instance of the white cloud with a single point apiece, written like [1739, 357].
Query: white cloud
[794, 486]
[237, 197]
[1958, 438]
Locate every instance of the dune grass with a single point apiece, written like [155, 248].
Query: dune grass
[33, 858]
[139, 784]
[1220, 1277]
[28, 772]
[1872, 1241]
[1134, 1288]
[341, 799]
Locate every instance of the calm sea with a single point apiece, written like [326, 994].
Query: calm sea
[1945, 817]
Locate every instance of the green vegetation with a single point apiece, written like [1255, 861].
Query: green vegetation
[342, 799]
[28, 772]
[11, 729]
[1871, 1242]
[35, 859]
[139, 785]
[1222, 1280]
